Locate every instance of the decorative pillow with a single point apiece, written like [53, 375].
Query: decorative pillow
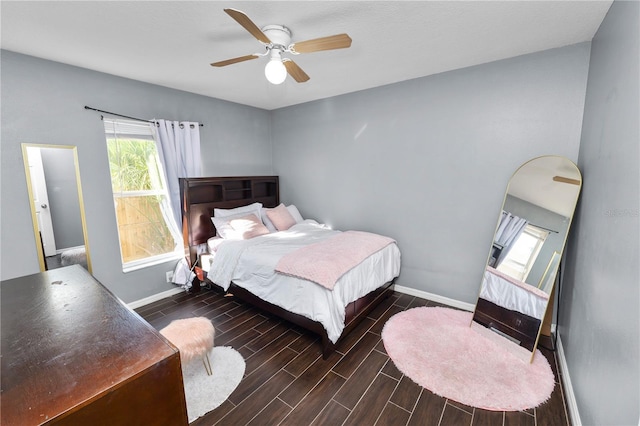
[293, 210]
[281, 217]
[248, 226]
[251, 208]
[267, 222]
[224, 228]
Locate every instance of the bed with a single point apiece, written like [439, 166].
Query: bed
[513, 308]
[246, 267]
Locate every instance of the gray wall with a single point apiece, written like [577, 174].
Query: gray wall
[43, 102]
[62, 190]
[424, 161]
[599, 321]
[427, 161]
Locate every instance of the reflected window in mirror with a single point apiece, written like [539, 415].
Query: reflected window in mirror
[522, 256]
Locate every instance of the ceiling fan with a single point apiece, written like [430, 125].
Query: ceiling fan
[277, 40]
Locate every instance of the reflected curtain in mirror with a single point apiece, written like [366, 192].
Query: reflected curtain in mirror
[509, 229]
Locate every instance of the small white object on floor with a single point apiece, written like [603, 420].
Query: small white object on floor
[205, 393]
[76, 256]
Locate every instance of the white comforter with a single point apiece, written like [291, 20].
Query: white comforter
[250, 264]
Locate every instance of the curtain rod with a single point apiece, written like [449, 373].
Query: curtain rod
[542, 227]
[124, 116]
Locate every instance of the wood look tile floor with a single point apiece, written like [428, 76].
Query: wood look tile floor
[287, 382]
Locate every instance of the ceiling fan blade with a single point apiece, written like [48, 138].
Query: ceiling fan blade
[234, 60]
[295, 71]
[248, 25]
[338, 41]
[566, 180]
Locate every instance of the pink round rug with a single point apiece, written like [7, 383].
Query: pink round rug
[437, 349]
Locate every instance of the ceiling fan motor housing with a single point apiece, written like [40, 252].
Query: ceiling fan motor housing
[279, 35]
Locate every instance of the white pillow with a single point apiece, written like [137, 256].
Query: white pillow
[293, 210]
[251, 208]
[224, 228]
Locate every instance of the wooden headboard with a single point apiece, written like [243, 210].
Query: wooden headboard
[199, 196]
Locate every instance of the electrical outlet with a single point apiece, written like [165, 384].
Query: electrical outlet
[169, 276]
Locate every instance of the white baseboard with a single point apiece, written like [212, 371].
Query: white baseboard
[570, 396]
[436, 298]
[159, 296]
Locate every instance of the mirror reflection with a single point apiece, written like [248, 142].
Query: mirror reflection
[526, 249]
[535, 218]
[53, 184]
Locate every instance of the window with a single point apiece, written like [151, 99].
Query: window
[140, 197]
[524, 252]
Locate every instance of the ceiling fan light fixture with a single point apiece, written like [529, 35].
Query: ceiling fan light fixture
[275, 71]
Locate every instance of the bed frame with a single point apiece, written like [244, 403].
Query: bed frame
[199, 196]
[515, 325]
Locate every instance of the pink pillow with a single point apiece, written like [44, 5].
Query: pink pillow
[281, 218]
[248, 226]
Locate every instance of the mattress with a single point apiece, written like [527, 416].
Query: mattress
[512, 294]
[251, 263]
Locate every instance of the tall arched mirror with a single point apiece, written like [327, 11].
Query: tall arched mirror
[518, 280]
[57, 208]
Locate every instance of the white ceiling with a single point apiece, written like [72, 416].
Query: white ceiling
[172, 43]
[533, 182]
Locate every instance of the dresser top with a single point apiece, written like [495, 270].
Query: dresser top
[65, 341]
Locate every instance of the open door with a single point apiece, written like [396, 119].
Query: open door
[40, 201]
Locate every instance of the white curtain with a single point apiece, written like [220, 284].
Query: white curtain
[178, 144]
[508, 232]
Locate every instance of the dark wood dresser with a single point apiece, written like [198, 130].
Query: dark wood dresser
[74, 354]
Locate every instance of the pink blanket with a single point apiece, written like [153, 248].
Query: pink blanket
[325, 262]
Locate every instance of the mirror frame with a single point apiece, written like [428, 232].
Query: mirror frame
[34, 218]
[550, 271]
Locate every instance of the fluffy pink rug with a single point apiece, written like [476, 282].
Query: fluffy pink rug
[437, 349]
